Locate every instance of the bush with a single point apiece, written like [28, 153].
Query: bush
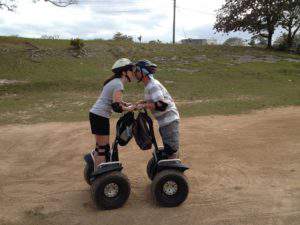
[155, 42]
[282, 43]
[298, 49]
[234, 41]
[258, 41]
[283, 46]
[122, 37]
[77, 43]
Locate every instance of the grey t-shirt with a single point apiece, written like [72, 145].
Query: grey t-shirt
[102, 107]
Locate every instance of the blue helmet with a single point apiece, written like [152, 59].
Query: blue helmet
[146, 67]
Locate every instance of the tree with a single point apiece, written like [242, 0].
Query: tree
[290, 20]
[259, 17]
[140, 38]
[122, 37]
[8, 4]
[234, 41]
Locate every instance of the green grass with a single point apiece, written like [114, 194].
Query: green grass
[60, 87]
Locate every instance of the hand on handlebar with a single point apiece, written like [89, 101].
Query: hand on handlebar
[141, 106]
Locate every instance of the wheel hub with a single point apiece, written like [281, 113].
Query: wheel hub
[111, 190]
[170, 188]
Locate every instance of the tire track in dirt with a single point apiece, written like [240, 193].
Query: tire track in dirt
[244, 170]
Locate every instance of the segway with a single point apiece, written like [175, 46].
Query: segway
[110, 188]
[169, 185]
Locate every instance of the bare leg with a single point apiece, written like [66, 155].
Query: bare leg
[101, 140]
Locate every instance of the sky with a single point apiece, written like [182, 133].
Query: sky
[92, 19]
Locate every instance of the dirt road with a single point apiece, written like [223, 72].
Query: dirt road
[244, 170]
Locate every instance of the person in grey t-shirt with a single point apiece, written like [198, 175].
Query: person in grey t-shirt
[161, 104]
[109, 100]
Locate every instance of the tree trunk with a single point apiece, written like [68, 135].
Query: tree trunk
[270, 36]
[290, 39]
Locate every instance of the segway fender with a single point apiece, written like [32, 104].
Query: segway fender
[171, 164]
[107, 167]
[88, 159]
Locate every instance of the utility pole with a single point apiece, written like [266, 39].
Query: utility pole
[174, 18]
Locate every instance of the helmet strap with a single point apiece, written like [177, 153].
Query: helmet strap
[127, 77]
[140, 79]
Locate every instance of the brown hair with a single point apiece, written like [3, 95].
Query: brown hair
[118, 73]
[111, 78]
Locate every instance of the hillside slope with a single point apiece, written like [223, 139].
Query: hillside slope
[44, 80]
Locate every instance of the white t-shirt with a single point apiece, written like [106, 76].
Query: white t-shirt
[154, 92]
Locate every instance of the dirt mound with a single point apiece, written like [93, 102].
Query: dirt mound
[244, 170]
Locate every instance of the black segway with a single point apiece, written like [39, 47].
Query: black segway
[110, 188]
[169, 184]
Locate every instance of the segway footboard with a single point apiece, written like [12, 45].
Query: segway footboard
[174, 164]
[106, 168]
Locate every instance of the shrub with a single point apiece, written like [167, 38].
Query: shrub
[122, 37]
[155, 42]
[234, 41]
[77, 43]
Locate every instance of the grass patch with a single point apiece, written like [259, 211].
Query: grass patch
[203, 80]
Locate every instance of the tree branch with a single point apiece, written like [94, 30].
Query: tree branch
[296, 30]
[62, 3]
[9, 7]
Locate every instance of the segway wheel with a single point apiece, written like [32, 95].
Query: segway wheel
[87, 173]
[110, 190]
[150, 168]
[169, 188]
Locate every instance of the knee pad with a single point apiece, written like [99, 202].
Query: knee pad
[103, 150]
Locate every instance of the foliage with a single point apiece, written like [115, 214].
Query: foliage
[259, 17]
[77, 43]
[282, 43]
[258, 41]
[8, 4]
[290, 20]
[234, 41]
[122, 37]
[155, 42]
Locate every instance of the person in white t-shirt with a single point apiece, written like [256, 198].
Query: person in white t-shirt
[162, 106]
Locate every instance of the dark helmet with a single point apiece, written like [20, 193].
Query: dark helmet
[146, 66]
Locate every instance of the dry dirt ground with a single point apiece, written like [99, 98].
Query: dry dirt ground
[245, 169]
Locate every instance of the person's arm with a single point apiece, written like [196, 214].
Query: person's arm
[118, 105]
[159, 105]
[157, 101]
[126, 103]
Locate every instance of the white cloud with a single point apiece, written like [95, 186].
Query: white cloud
[101, 19]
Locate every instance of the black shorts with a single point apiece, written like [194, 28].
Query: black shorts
[99, 124]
